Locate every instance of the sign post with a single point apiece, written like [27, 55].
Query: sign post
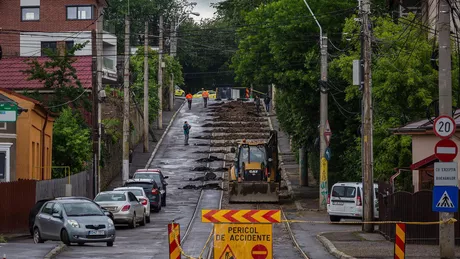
[445, 191]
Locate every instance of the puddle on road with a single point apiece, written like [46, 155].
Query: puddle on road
[210, 159]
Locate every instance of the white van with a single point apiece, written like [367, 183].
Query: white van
[346, 201]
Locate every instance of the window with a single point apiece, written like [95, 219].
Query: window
[2, 125]
[83, 12]
[57, 209]
[69, 45]
[48, 208]
[50, 45]
[30, 13]
[344, 192]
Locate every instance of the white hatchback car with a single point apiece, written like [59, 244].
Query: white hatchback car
[141, 196]
[345, 201]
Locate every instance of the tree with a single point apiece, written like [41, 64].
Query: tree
[71, 142]
[58, 74]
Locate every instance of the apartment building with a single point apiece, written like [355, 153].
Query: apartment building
[27, 27]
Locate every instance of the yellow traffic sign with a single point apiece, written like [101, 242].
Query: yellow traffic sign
[243, 241]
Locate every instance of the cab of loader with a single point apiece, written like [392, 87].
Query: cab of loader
[254, 175]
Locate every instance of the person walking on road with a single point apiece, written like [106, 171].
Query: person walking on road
[186, 132]
[205, 95]
[267, 103]
[189, 98]
[257, 101]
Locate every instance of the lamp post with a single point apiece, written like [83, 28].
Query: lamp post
[173, 47]
[324, 189]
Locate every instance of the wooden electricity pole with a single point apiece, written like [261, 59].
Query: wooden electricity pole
[146, 88]
[126, 104]
[160, 76]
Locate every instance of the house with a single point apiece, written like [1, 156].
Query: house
[26, 145]
[28, 27]
[423, 145]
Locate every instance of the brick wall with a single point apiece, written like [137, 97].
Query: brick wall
[52, 19]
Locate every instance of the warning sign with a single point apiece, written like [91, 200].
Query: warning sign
[227, 253]
[445, 201]
[243, 241]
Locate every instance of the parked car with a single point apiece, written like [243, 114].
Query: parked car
[38, 205]
[140, 195]
[345, 201]
[151, 189]
[178, 91]
[156, 175]
[73, 221]
[125, 207]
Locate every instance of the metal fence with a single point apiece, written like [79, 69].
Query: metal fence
[412, 207]
[16, 200]
[50, 189]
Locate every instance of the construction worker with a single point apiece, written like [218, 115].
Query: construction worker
[186, 128]
[189, 98]
[205, 95]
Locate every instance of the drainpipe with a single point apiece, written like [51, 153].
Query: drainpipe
[43, 146]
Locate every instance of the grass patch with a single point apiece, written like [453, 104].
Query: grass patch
[2, 239]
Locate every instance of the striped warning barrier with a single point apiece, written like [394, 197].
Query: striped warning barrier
[400, 241]
[247, 93]
[240, 216]
[174, 241]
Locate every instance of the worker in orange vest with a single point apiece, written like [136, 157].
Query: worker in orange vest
[189, 98]
[205, 95]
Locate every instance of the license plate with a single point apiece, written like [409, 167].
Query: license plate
[96, 232]
[337, 203]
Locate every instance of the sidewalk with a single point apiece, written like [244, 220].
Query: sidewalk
[355, 244]
[305, 197]
[140, 158]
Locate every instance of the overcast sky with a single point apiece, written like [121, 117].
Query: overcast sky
[204, 8]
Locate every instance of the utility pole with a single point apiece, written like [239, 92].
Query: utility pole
[94, 113]
[173, 50]
[323, 113]
[446, 231]
[99, 41]
[126, 104]
[146, 88]
[160, 76]
[367, 156]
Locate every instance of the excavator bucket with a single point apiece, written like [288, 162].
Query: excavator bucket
[247, 192]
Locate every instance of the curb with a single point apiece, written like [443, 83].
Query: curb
[55, 251]
[283, 172]
[330, 247]
[157, 146]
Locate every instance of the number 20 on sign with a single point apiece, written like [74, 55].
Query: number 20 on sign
[444, 127]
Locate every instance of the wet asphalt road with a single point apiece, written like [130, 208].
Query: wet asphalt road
[177, 162]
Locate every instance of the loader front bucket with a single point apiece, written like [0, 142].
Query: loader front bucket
[249, 192]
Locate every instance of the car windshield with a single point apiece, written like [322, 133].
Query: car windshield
[145, 186]
[136, 192]
[82, 209]
[111, 197]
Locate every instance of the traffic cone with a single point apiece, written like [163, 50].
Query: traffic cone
[4, 256]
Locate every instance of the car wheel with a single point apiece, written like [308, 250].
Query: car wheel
[133, 222]
[81, 243]
[144, 220]
[148, 218]
[163, 201]
[157, 209]
[334, 218]
[110, 244]
[65, 237]
[37, 236]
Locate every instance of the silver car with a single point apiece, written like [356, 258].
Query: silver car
[125, 207]
[140, 195]
[73, 221]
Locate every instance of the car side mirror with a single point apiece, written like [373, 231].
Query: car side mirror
[270, 160]
[107, 213]
[56, 215]
[166, 184]
[233, 150]
[166, 177]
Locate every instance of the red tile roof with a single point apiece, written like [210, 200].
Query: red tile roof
[12, 77]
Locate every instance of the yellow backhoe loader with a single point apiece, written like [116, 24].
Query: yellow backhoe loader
[254, 176]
